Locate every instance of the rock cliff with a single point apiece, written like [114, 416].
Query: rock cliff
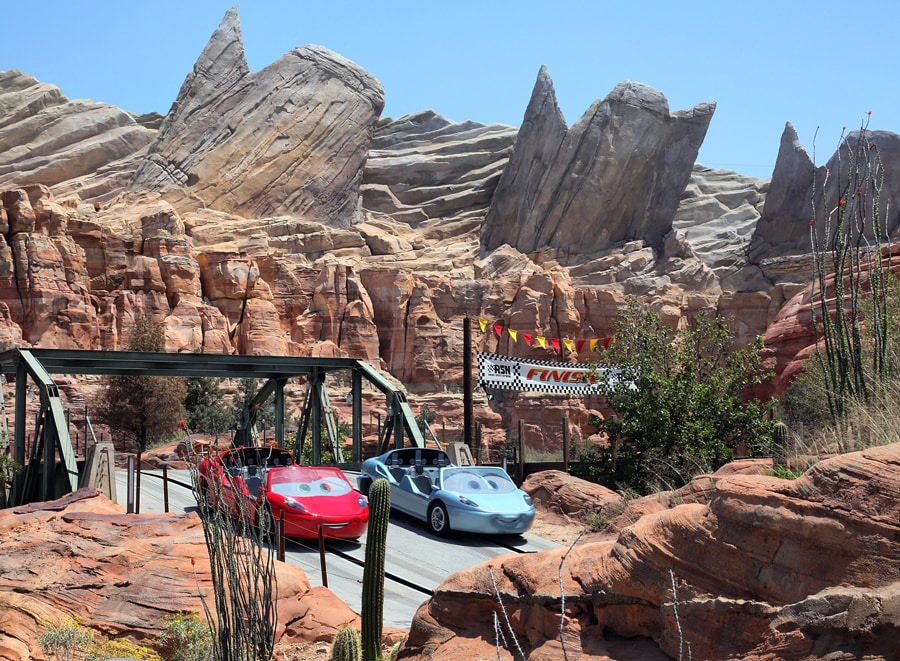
[277, 212]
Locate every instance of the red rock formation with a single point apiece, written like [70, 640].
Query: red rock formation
[768, 569]
[121, 574]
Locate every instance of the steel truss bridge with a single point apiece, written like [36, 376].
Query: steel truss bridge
[51, 470]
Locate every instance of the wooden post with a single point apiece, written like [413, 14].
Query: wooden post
[521, 468]
[565, 434]
[322, 557]
[165, 489]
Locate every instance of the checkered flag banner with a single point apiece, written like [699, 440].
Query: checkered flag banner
[505, 373]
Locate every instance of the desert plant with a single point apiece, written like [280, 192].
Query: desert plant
[185, 638]
[120, 649]
[242, 568]
[66, 640]
[373, 571]
[347, 645]
[846, 241]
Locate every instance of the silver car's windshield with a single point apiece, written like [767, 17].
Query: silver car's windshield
[477, 480]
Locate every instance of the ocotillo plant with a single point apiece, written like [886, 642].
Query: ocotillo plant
[848, 227]
[373, 573]
[347, 645]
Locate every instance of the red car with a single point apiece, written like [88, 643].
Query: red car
[309, 497]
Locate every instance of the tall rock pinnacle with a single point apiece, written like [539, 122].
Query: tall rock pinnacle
[616, 175]
[291, 139]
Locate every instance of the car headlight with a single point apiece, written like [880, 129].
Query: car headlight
[363, 502]
[527, 499]
[470, 503]
[293, 504]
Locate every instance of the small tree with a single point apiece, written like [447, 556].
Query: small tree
[205, 406]
[678, 399]
[141, 410]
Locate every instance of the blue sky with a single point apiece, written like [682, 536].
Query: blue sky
[816, 64]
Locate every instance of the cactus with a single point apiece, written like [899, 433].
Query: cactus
[779, 444]
[373, 573]
[347, 645]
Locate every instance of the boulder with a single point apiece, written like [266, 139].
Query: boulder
[766, 569]
[122, 574]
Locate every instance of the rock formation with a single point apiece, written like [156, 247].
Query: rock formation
[89, 148]
[615, 176]
[767, 569]
[800, 191]
[289, 139]
[122, 574]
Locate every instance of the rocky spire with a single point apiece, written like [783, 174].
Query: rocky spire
[291, 139]
[616, 175]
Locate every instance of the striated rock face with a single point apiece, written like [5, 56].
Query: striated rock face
[122, 574]
[768, 569]
[290, 139]
[423, 167]
[47, 139]
[800, 191]
[615, 176]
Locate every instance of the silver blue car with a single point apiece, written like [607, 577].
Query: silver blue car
[426, 485]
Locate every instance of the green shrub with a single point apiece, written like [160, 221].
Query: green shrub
[185, 638]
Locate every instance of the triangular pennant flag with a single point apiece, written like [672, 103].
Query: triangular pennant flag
[512, 334]
[593, 345]
[498, 328]
[569, 344]
[527, 338]
[606, 342]
[542, 341]
[555, 343]
[581, 345]
[483, 323]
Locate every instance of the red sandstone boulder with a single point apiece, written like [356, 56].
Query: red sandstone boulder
[769, 569]
[121, 574]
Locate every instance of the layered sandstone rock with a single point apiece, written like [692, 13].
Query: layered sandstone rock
[122, 574]
[48, 139]
[291, 138]
[615, 176]
[768, 569]
[801, 191]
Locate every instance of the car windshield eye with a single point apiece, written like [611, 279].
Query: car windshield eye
[493, 485]
[305, 488]
[324, 486]
[474, 486]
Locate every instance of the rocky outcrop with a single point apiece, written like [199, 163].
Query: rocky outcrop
[800, 192]
[81, 146]
[423, 168]
[289, 139]
[767, 569]
[122, 574]
[615, 176]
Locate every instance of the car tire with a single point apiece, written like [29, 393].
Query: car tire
[365, 483]
[438, 519]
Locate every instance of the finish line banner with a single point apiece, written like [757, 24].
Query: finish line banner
[504, 373]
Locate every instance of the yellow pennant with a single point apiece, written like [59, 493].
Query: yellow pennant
[512, 333]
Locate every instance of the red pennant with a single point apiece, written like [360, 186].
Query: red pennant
[555, 343]
[498, 328]
[527, 338]
[580, 345]
[606, 342]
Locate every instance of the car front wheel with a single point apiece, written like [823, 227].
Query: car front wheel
[438, 520]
